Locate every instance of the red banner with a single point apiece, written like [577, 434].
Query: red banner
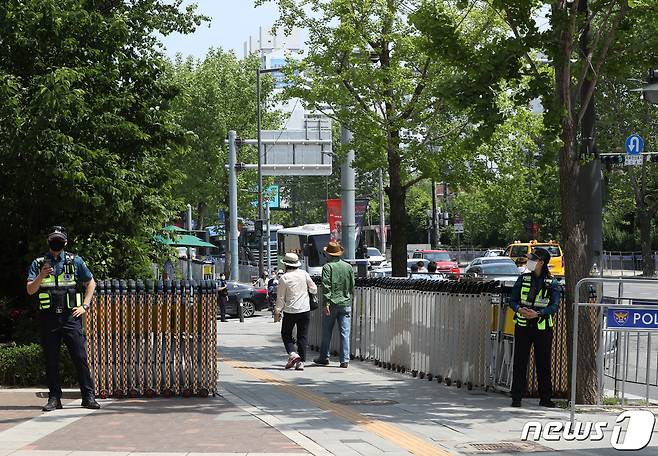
[335, 217]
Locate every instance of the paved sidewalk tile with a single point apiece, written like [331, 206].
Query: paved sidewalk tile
[174, 425]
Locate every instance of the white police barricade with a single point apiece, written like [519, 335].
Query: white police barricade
[626, 351]
[433, 329]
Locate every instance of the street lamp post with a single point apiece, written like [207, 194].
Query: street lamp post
[260, 70]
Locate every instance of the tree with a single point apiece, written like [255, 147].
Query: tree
[368, 68]
[86, 130]
[218, 94]
[577, 42]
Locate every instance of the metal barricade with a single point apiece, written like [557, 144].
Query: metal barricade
[153, 338]
[623, 348]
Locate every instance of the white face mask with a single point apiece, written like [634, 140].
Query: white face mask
[531, 265]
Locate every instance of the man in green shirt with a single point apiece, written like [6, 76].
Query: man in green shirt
[337, 289]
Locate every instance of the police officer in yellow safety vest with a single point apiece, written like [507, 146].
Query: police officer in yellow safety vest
[535, 300]
[56, 279]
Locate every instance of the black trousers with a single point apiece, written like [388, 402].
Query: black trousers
[223, 299]
[54, 328]
[302, 321]
[524, 337]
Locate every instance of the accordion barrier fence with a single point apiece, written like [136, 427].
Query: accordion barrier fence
[147, 338]
[459, 333]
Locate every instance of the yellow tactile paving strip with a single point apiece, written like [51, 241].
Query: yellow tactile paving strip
[384, 430]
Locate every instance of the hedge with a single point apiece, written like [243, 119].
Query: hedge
[24, 365]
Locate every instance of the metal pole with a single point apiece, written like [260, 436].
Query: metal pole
[269, 247]
[347, 179]
[189, 249]
[233, 205]
[382, 214]
[648, 364]
[260, 173]
[433, 227]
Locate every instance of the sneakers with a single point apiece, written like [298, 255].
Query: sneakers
[299, 366]
[53, 404]
[547, 403]
[343, 365]
[293, 359]
[321, 361]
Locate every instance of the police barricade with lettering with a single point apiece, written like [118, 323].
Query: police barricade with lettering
[623, 347]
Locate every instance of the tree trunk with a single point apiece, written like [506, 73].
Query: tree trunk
[644, 224]
[397, 195]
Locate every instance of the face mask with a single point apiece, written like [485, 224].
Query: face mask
[531, 265]
[56, 245]
[222, 277]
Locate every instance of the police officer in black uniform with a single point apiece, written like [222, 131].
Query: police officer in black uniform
[535, 300]
[55, 278]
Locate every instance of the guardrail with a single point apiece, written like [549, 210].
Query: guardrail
[626, 261]
[457, 333]
[148, 338]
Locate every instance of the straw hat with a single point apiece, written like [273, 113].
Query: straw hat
[334, 249]
[292, 260]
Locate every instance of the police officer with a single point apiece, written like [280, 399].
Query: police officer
[56, 278]
[223, 296]
[535, 300]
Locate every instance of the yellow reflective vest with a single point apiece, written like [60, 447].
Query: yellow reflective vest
[60, 287]
[541, 301]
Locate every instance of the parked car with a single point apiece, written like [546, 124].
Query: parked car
[494, 253]
[504, 272]
[253, 299]
[444, 263]
[375, 258]
[490, 260]
[521, 249]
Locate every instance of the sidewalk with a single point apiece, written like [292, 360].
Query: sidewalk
[264, 409]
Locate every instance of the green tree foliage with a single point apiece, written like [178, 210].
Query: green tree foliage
[218, 94]
[369, 68]
[86, 130]
[523, 186]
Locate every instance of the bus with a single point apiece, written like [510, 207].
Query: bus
[249, 248]
[308, 242]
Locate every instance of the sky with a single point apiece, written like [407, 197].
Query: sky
[232, 23]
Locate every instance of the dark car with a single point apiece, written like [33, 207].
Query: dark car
[505, 272]
[253, 299]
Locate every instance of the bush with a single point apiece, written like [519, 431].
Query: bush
[24, 365]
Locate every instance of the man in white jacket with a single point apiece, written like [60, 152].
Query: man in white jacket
[292, 298]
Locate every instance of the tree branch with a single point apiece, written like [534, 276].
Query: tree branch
[413, 182]
[418, 91]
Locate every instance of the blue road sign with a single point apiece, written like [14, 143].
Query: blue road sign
[634, 145]
[627, 318]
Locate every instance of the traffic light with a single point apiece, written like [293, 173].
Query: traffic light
[613, 159]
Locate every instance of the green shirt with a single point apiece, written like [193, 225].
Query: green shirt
[337, 283]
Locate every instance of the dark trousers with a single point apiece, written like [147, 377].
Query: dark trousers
[54, 328]
[222, 306]
[524, 337]
[302, 320]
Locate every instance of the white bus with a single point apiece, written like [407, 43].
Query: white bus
[307, 242]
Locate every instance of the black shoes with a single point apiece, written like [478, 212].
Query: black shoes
[53, 404]
[90, 403]
[321, 362]
[343, 365]
[547, 403]
[516, 402]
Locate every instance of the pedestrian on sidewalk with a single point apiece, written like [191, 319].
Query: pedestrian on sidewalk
[535, 300]
[58, 277]
[337, 291]
[222, 291]
[293, 300]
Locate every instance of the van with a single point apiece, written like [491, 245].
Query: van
[520, 249]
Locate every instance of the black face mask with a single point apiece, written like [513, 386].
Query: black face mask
[56, 245]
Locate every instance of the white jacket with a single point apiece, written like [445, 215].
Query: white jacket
[292, 295]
